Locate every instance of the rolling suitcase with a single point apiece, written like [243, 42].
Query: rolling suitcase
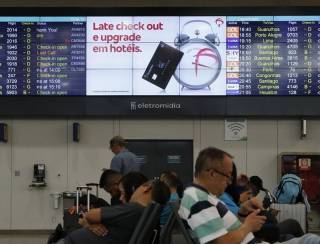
[71, 218]
[292, 211]
[71, 200]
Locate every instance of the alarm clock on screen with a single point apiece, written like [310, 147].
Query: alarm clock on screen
[201, 64]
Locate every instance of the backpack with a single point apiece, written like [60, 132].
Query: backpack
[57, 235]
[289, 190]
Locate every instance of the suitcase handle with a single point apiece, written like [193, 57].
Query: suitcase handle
[96, 185]
[78, 193]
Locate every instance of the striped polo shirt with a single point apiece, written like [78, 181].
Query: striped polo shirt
[207, 216]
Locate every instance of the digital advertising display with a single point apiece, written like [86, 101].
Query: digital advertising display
[160, 55]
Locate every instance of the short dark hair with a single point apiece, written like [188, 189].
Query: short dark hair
[117, 141]
[131, 182]
[160, 192]
[256, 181]
[170, 179]
[208, 157]
[107, 176]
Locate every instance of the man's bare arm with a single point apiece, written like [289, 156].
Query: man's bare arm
[252, 223]
[94, 216]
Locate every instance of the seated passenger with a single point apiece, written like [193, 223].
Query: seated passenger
[180, 187]
[242, 183]
[115, 224]
[109, 181]
[256, 185]
[173, 182]
[207, 217]
[232, 199]
[126, 186]
[129, 183]
[272, 230]
[74, 221]
[95, 202]
[288, 227]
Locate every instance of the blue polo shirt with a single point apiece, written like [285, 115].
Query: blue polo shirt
[125, 162]
[227, 199]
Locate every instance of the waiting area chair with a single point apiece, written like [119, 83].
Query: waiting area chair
[175, 231]
[148, 226]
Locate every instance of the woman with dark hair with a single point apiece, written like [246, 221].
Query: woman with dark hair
[129, 183]
[179, 184]
[231, 196]
[171, 179]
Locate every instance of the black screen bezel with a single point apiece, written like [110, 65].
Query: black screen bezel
[205, 106]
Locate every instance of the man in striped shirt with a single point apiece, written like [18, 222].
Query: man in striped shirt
[208, 218]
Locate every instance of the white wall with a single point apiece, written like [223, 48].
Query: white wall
[5, 181]
[34, 142]
[87, 158]
[70, 163]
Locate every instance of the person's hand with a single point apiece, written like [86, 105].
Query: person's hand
[256, 203]
[72, 210]
[98, 229]
[83, 222]
[274, 212]
[245, 196]
[254, 221]
[243, 180]
[250, 205]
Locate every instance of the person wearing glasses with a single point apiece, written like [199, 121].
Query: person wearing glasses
[207, 218]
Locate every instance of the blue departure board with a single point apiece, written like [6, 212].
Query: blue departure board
[42, 56]
[277, 55]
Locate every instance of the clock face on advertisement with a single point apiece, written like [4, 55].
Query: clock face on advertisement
[200, 65]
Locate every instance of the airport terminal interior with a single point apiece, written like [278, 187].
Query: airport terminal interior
[75, 74]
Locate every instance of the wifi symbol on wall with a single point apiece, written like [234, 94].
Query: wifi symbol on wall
[236, 128]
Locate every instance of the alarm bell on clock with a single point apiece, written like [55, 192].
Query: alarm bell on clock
[201, 64]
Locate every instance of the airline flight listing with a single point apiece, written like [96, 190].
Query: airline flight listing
[105, 56]
[277, 55]
[42, 56]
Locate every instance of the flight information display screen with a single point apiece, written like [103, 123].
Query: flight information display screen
[160, 56]
[42, 56]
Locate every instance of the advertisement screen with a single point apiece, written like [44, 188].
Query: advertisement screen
[156, 56]
[160, 56]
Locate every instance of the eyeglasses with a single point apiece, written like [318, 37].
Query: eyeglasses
[229, 177]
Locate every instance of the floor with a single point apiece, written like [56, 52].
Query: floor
[23, 239]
